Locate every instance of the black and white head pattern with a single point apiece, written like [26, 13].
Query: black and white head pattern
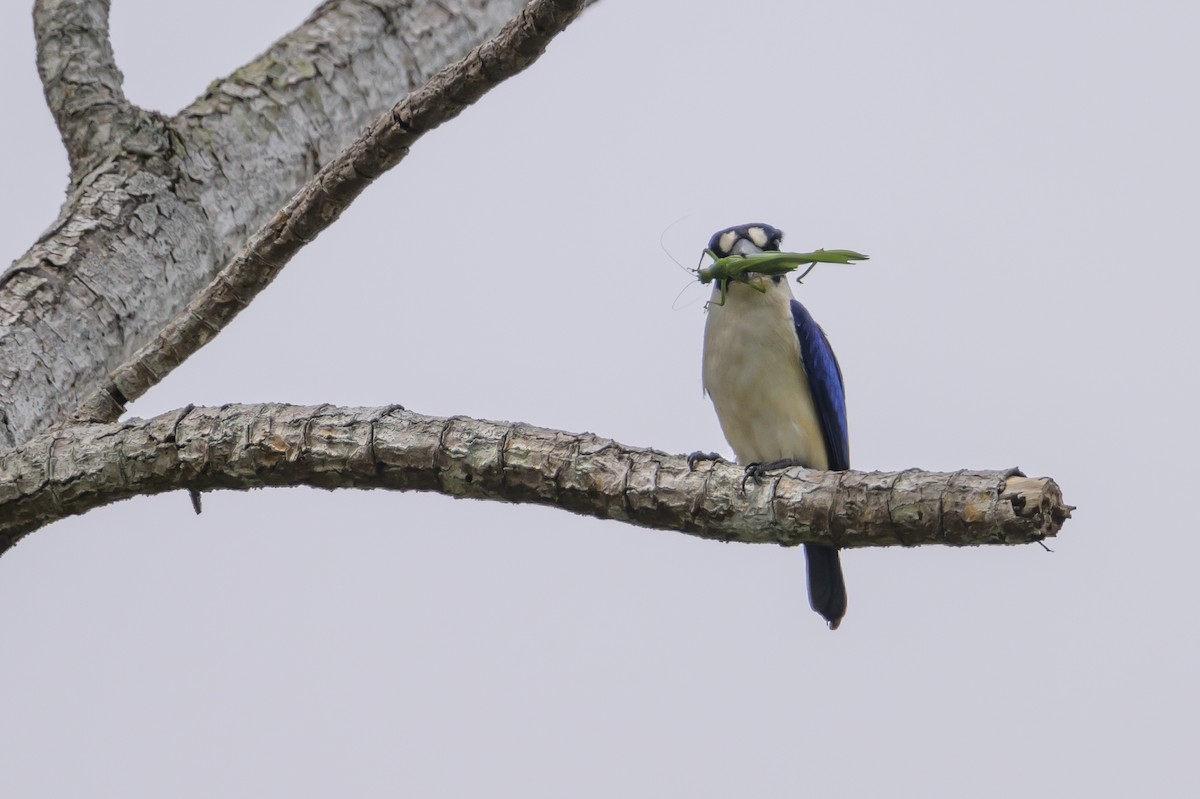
[745, 239]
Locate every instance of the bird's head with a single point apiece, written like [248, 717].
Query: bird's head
[745, 240]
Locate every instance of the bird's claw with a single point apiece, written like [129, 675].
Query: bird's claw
[757, 471]
[698, 456]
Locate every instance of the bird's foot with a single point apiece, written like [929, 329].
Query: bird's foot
[698, 456]
[757, 471]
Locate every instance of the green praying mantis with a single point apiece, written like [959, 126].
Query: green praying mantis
[739, 267]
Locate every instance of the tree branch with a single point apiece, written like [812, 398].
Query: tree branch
[323, 199]
[260, 133]
[80, 76]
[169, 202]
[72, 470]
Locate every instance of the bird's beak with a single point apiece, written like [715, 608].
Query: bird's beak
[745, 247]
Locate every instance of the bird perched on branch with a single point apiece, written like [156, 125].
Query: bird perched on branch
[777, 389]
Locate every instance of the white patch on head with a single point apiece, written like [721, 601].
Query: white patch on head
[726, 242]
[758, 236]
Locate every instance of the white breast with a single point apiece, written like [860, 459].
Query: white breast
[753, 373]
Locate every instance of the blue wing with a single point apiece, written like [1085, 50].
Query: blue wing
[825, 382]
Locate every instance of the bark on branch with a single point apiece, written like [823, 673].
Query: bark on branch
[323, 198]
[72, 470]
[80, 76]
[164, 203]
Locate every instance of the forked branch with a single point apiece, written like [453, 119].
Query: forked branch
[323, 198]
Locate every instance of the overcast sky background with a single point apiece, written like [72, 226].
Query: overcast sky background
[1023, 175]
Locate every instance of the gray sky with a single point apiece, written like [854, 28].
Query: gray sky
[1023, 176]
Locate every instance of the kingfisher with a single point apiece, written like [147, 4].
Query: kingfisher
[777, 389]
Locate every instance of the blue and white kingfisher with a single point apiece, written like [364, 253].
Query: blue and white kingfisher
[777, 389]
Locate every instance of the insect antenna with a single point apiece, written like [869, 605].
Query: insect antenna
[662, 244]
[676, 305]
